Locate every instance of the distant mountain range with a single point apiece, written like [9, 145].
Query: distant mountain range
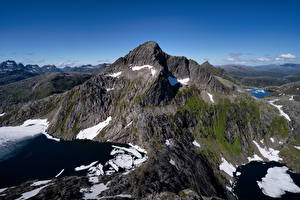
[11, 71]
[265, 75]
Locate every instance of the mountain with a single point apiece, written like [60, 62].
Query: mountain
[264, 75]
[189, 117]
[86, 68]
[39, 87]
[11, 72]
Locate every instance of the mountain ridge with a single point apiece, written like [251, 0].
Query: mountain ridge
[148, 108]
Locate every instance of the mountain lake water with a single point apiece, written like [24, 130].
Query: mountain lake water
[246, 186]
[258, 93]
[42, 158]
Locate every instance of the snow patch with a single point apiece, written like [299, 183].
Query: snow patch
[270, 154]
[128, 124]
[277, 182]
[115, 75]
[109, 89]
[2, 190]
[167, 143]
[227, 167]
[31, 193]
[184, 81]
[195, 143]
[255, 158]
[37, 183]
[238, 173]
[279, 107]
[137, 68]
[291, 98]
[297, 147]
[210, 97]
[173, 81]
[93, 131]
[2, 114]
[94, 191]
[124, 159]
[272, 139]
[172, 162]
[83, 167]
[60, 173]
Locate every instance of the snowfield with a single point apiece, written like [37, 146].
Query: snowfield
[210, 97]
[137, 68]
[297, 147]
[31, 193]
[227, 167]
[83, 167]
[279, 107]
[270, 154]
[125, 159]
[277, 182]
[195, 143]
[9, 135]
[255, 158]
[173, 81]
[94, 191]
[115, 75]
[90, 133]
[184, 81]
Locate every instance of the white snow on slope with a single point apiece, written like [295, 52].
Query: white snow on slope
[131, 150]
[270, 154]
[195, 143]
[109, 89]
[272, 139]
[124, 158]
[2, 114]
[94, 191]
[37, 183]
[93, 131]
[172, 162]
[31, 193]
[128, 124]
[255, 158]
[297, 147]
[279, 107]
[10, 135]
[277, 182]
[173, 80]
[136, 68]
[184, 81]
[83, 167]
[29, 128]
[210, 97]
[291, 98]
[115, 75]
[60, 173]
[227, 167]
[167, 143]
[2, 190]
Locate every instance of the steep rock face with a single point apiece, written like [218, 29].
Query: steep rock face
[148, 109]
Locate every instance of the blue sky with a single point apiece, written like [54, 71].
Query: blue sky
[88, 31]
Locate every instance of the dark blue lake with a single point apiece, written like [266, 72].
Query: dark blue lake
[246, 186]
[258, 93]
[41, 158]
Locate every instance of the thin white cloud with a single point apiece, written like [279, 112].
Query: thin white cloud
[230, 59]
[263, 59]
[287, 56]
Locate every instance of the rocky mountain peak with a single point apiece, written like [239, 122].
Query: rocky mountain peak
[148, 53]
